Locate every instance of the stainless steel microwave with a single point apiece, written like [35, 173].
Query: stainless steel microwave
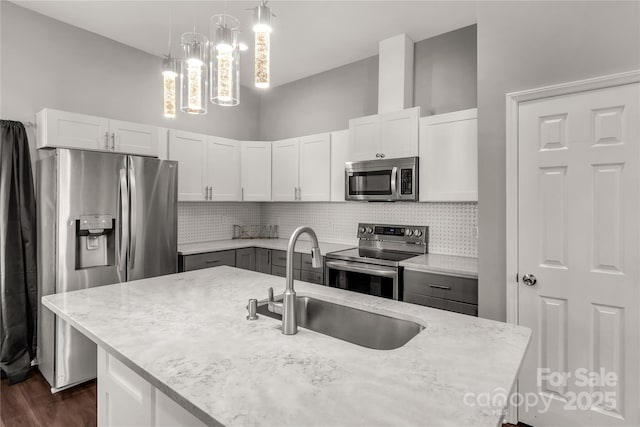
[387, 180]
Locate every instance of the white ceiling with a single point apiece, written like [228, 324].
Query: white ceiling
[308, 36]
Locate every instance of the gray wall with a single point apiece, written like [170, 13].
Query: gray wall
[46, 63]
[524, 45]
[445, 80]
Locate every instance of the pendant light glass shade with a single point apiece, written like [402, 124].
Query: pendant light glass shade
[193, 74]
[169, 82]
[225, 60]
[262, 30]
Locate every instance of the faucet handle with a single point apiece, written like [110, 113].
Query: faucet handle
[316, 258]
[270, 291]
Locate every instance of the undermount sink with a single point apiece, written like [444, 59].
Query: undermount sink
[351, 324]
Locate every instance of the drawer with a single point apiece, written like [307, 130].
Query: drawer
[278, 270]
[312, 277]
[306, 264]
[279, 258]
[453, 288]
[209, 259]
[443, 304]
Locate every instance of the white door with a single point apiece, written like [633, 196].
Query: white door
[256, 171]
[315, 168]
[364, 135]
[134, 138]
[579, 235]
[190, 150]
[70, 130]
[284, 170]
[339, 156]
[399, 133]
[449, 157]
[223, 169]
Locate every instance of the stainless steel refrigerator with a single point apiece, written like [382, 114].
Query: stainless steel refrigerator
[102, 218]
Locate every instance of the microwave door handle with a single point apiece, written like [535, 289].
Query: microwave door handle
[394, 180]
[370, 270]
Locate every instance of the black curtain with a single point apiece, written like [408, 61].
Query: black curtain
[19, 283]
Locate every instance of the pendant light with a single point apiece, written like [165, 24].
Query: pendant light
[193, 74]
[225, 60]
[262, 29]
[169, 78]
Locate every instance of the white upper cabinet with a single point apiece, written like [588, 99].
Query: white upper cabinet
[364, 134]
[339, 156]
[71, 130]
[223, 169]
[256, 171]
[190, 150]
[284, 182]
[449, 157]
[399, 133]
[386, 135]
[315, 168]
[134, 138]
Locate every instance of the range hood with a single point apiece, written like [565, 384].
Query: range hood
[395, 75]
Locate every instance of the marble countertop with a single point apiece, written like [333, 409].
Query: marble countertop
[187, 334]
[443, 264]
[302, 246]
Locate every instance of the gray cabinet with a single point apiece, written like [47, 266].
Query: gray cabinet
[207, 260]
[453, 293]
[268, 261]
[263, 260]
[246, 258]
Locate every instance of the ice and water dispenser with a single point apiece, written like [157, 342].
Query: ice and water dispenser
[95, 241]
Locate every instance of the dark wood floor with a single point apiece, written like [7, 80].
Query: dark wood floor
[31, 403]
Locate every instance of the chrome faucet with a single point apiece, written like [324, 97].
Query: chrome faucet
[288, 305]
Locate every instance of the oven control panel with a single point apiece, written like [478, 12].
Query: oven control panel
[403, 233]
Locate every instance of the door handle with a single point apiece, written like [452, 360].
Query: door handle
[124, 224]
[394, 179]
[529, 279]
[113, 141]
[133, 203]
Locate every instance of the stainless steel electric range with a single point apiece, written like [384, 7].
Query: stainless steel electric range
[374, 266]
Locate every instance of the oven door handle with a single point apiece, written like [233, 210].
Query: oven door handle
[371, 270]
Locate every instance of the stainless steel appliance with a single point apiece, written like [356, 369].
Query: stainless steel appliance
[387, 180]
[102, 218]
[374, 266]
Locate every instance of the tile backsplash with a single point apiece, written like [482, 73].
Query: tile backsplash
[202, 221]
[452, 226]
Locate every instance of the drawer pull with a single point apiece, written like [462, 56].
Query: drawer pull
[446, 288]
[215, 261]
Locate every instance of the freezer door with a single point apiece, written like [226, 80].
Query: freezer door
[89, 188]
[153, 189]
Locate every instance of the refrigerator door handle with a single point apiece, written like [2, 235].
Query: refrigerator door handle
[124, 225]
[134, 229]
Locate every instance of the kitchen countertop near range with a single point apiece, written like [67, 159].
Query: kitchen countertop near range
[187, 335]
[303, 246]
[443, 264]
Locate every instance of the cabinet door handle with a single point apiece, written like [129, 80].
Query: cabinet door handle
[446, 288]
[106, 140]
[242, 193]
[206, 192]
[382, 155]
[211, 192]
[113, 141]
[299, 193]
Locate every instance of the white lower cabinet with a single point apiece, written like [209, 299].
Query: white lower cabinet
[190, 151]
[223, 169]
[127, 399]
[256, 171]
[80, 131]
[449, 157]
[302, 169]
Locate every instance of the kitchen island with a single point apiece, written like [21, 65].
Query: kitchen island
[188, 337]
